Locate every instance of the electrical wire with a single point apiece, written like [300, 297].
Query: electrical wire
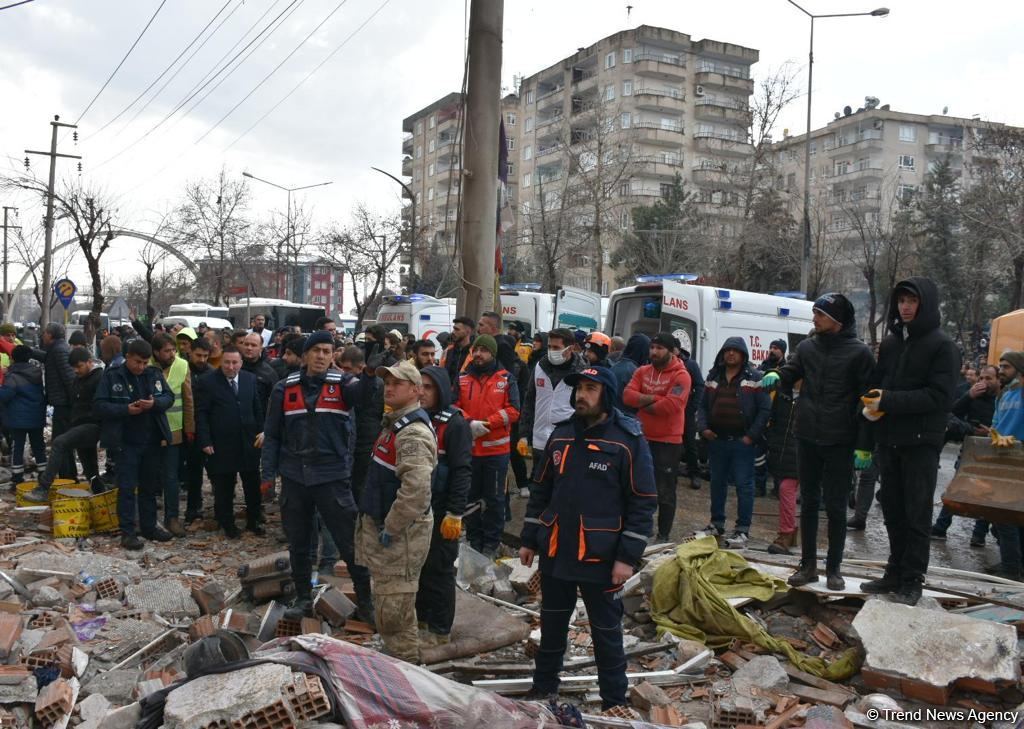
[14, 5]
[164, 72]
[118, 67]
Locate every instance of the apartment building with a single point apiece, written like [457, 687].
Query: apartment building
[864, 162]
[660, 102]
[311, 281]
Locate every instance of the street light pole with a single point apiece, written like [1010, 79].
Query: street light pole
[412, 227]
[805, 259]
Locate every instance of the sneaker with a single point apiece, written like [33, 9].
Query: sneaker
[132, 542]
[174, 527]
[938, 533]
[39, 495]
[856, 525]
[738, 540]
[159, 534]
[710, 531]
[885, 585]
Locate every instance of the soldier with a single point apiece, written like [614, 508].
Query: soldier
[307, 439]
[395, 520]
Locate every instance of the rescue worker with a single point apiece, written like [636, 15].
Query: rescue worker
[596, 350]
[449, 486]
[181, 419]
[307, 440]
[395, 519]
[589, 518]
[488, 396]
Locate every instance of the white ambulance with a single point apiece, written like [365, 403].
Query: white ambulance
[535, 311]
[703, 317]
[421, 315]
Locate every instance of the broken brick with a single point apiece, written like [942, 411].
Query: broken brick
[645, 695]
[202, 627]
[235, 620]
[311, 625]
[54, 702]
[209, 598]
[57, 636]
[622, 712]
[10, 631]
[307, 697]
[7, 536]
[334, 607]
[109, 588]
[287, 628]
[271, 588]
[667, 716]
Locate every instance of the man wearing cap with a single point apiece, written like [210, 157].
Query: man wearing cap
[488, 396]
[307, 440]
[183, 340]
[395, 518]
[659, 392]
[589, 518]
[776, 355]
[835, 367]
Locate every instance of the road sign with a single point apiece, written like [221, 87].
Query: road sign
[65, 290]
[119, 309]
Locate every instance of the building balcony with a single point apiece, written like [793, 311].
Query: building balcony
[407, 145]
[716, 176]
[656, 133]
[945, 145]
[868, 172]
[868, 139]
[445, 142]
[718, 210]
[551, 96]
[658, 165]
[583, 79]
[648, 193]
[655, 65]
[858, 200]
[660, 100]
[407, 167]
[545, 151]
[728, 81]
[721, 111]
[717, 144]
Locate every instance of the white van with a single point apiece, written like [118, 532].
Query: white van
[198, 309]
[418, 314]
[568, 308]
[703, 317]
[211, 322]
[277, 312]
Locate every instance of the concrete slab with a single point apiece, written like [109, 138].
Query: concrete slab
[170, 598]
[226, 696]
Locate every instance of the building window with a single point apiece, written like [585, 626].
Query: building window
[624, 120]
[511, 142]
[790, 181]
[430, 194]
[529, 96]
[905, 193]
[431, 122]
[527, 179]
[430, 170]
[419, 127]
[529, 124]
[609, 60]
[627, 55]
[510, 119]
[419, 151]
[431, 146]
[624, 220]
[906, 162]
[527, 152]
[908, 133]
[627, 88]
[842, 167]
[511, 170]
[609, 93]
[814, 147]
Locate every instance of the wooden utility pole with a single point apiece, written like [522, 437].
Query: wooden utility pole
[7, 294]
[480, 157]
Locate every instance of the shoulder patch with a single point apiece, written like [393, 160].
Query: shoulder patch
[332, 376]
[293, 378]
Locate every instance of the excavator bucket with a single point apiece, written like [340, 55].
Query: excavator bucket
[989, 484]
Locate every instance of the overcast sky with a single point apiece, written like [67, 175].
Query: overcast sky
[56, 54]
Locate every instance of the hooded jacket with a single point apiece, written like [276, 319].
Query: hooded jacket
[665, 419]
[547, 399]
[84, 394]
[917, 371]
[635, 354]
[58, 374]
[450, 484]
[755, 404]
[22, 396]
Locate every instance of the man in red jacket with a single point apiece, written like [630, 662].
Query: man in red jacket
[489, 399]
[659, 392]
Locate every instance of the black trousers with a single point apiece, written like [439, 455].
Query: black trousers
[908, 488]
[80, 439]
[517, 462]
[360, 469]
[666, 458]
[690, 444]
[435, 598]
[825, 476]
[60, 424]
[195, 459]
[224, 497]
[605, 613]
[334, 502]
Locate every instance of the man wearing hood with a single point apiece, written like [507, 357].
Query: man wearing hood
[633, 355]
[659, 391]
[910, 400]
[776, 356]
[24, 410]
[835, 367]
[589, 519]
[732, 417]
[449, 488]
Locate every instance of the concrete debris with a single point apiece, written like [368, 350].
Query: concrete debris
[168, 598]
[761, 674]
[226, 697]
[93, 707]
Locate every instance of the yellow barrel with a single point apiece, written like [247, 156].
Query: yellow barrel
[71, 512]
[61, 483]
[103, 511]
[19, 494]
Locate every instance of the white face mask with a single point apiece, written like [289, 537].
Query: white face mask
[560, 356]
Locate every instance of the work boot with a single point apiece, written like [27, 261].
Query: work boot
[39, 495]
[938, 533]
[301, 608]
[158, 534]
[834, 581]
[856, 524]
[256, 528]
[782, 543]
[132, 542]
[694, 483]
[175, 528]
[908, 594]
[807, 573]
[544, 697]
[887, 584]
[231, 531]
[364, 604]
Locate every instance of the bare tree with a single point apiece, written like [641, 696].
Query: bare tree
[550, 228]
[776, 90]
[284, 241]
[28, 251]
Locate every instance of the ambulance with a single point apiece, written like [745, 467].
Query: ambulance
[703, 317]
[535, 311]
[421, 315]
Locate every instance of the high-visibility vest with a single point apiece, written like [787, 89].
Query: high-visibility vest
[176, 375]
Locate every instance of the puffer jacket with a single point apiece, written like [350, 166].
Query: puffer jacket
[782, 456]
[59, 375]
[24, 404]
[917, 370]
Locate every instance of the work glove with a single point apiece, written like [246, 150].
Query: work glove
[384, 538]
[871, 400]
[478, 428]
[862, 460]
[770, 381]
[524, 448]
[451, 527]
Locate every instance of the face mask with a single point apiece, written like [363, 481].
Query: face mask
[558, 357]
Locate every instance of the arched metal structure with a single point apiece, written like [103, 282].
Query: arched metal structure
[118, 233]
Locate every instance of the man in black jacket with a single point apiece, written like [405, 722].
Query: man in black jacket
[435, 599]
[253, 362]
[59, 379]
[195, 459]
[368, 412]
[835, 367]
[690, 429]
[913, 391]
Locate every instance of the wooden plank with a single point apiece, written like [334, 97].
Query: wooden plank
[817, 696]
[525, 669]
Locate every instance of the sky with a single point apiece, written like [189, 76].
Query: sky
[393, 57]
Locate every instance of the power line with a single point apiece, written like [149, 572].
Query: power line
[118, 68]
[164, 72]
[309, 75]
[14, 5]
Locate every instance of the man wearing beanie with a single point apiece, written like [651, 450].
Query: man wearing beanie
[835, 367]
[776, 355]
[488, 396]
[589, 519]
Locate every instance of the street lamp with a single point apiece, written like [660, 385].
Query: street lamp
[805, 259]
[288, 220]
[412, 228]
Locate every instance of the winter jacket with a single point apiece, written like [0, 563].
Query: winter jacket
[117, 390]
[24, 403]
[368, 412]
[58, 374]
[755, 404]
[451, 480]
[489, 394]
[783, 461]
[594, 500]
[918, 365]
[547, 399]
[636, 353]
[835, 369]
[265, 375]
[455, 361]
[1009, 415]
[84, 395]
[665, 419]
[696, 386]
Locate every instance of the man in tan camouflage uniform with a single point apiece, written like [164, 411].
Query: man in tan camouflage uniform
[395, 520]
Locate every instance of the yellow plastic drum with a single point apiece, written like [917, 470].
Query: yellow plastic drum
[71, 513]
[19, 493]
[103, 511]
[61, 483]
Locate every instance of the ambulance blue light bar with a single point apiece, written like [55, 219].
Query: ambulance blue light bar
[657, 277]
[783, 311]
[405, 299]
[521, 287]
[724, 304]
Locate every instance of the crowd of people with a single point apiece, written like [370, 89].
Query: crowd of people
[383, 451]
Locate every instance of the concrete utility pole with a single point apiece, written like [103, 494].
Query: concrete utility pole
[46, 287]
[7, 294]
[480, 152]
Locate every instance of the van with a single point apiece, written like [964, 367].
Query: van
[535, 311]
[703, 317]
[421, 315]
[277, 312]
[198, 309]
[211, 322]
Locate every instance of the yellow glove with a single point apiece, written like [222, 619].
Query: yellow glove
[524, 448]
[871, 401]
[451, 527]
[1002, 441]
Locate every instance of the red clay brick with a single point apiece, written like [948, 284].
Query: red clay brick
[275, 716]
[307, 697]
[7, 720]
[53, 702]
[311, 625]
[7, 536]
[272, 565]
[287, 628]
[10, 631]
[209, 597]
[109, 588]
[202, 627]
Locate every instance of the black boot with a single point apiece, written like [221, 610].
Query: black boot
[301, 608]
[807, 573]
[908, 594]
[834, 581]
[364, 605]
[888, 583]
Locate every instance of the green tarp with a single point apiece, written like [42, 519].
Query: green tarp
[689, 599]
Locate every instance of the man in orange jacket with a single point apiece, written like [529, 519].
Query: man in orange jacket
[659, 392]
[489, 399]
